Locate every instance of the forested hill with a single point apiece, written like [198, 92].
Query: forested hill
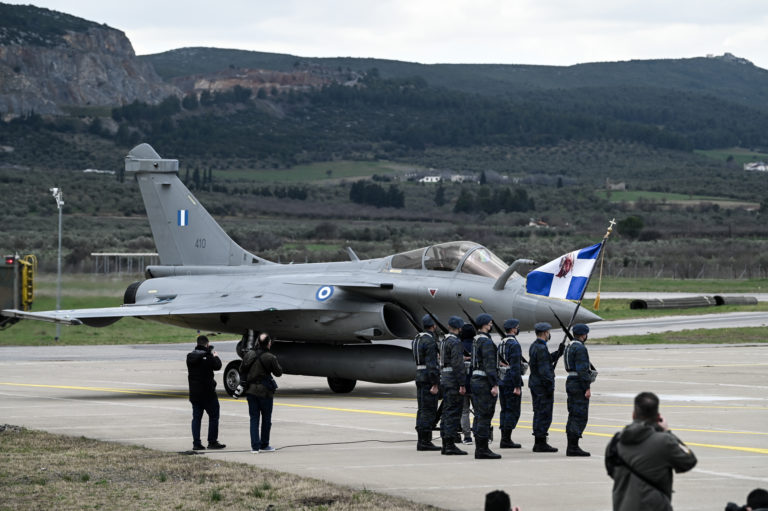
[726, 77]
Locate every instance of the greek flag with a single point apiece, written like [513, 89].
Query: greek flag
[566, 277]
[182, 217]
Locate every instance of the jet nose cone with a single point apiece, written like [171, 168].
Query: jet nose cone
[550, 310]
[586, 316]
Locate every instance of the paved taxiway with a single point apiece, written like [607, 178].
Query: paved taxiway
[714, 397]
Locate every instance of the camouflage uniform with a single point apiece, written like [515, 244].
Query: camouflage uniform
[452, 377]
[483, 379]
[577, 384]
[424, 348]
[542, 385]
[511, 354]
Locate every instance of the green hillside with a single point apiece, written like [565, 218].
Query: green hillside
[725, 77]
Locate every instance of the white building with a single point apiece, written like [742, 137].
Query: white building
[759, 166]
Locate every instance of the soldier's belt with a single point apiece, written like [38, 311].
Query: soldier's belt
[421, 367]
[477, 372]
[447, 369]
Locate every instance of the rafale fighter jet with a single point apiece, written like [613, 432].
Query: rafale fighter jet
[327, 317]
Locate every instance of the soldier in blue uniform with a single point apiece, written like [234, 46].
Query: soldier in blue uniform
[424, 348]
[511, 376]
[485, 386]
[542, 385]
[577, 386]
[452, 381]
[467, 338]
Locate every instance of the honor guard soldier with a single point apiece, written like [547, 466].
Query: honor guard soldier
[580, 377]
[452, 380]
[485, 387]
[424, 348]
[511, 377]
[542, 385]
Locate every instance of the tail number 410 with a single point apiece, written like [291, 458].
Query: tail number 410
[200, 243]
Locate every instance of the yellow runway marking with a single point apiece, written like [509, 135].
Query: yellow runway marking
[756, 450]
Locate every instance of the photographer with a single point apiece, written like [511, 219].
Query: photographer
[641, 458]
[201, 363]
[757, 500]
[259, 386]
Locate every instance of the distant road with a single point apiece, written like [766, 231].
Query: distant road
[761, 297]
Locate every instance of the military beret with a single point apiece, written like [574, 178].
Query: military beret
[483, 319]
[511, 323]
[580, 329]
[455, 322]
[427, 321]
[542, 327]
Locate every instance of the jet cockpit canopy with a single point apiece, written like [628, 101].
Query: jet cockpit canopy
[462, 256]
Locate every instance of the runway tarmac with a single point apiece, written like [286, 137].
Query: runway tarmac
[714, 397]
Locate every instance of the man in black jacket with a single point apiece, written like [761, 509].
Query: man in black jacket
[201, 363]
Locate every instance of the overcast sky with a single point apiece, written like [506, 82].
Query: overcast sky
[553, 32]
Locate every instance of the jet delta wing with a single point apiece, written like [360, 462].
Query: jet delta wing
[329, 319]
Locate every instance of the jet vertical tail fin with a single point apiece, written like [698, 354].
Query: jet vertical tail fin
[185, 233]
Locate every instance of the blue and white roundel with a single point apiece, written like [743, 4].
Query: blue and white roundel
[324, 293]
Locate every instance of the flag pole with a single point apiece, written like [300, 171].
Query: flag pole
[561, 347]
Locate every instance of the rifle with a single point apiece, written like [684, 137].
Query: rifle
[561, 348]
[437, 321]
[503, 334]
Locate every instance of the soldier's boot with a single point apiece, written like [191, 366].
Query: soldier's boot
[541, 445]
[425, 442]
[450, 449]
[506, 440]
[574, 449]
[482, 452]
[457, 438]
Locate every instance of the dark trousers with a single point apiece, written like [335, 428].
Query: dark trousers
[578, 410]
[427, 407]
[510, 407]
[543, 401]
[260, 406]
[211, 407]
[452, 404]
[484, 404]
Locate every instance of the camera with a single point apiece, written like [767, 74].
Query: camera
[731, 506]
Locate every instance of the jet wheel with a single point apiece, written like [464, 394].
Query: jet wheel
[341, 385]
[232, 377]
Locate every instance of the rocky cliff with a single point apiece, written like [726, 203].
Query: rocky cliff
[50, 61]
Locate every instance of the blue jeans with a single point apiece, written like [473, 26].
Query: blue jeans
[211, 407]
[260, 406]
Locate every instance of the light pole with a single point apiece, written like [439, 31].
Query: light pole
[59, 196]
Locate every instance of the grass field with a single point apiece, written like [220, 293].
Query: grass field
[312, 172]
[619, 309]
[39, 470]
[701, 286]
[750, 335]
[740, 155]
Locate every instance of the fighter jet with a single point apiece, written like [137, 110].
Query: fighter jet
[329, 319]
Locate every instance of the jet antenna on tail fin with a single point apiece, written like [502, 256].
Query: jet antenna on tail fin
[185, 233]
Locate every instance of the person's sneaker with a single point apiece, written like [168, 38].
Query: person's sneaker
[215, 445]
[467, 440]
[268, 448]
[198, 447]
[255, 451]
